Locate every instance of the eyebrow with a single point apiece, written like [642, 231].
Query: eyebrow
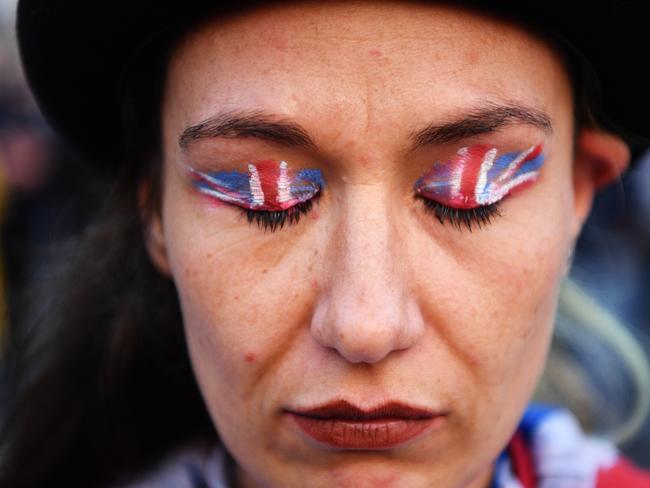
[481, 120]
[260, 125]
[257, 125]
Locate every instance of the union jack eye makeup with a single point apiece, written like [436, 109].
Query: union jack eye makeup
[468, 188]
[269, 193]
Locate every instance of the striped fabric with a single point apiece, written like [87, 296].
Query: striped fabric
[549, 450]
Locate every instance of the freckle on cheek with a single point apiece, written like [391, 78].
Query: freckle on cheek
[364, 160]
[472, 57]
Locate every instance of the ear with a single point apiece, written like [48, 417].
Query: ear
[154, 233]
[600, 159]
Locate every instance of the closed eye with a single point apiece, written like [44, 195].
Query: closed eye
[467, 189]
[276, 219]
[269, 193]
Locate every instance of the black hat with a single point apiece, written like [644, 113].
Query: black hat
[76, 54]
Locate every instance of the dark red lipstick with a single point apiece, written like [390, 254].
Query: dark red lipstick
[344, 425]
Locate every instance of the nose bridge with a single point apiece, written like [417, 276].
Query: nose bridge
[366, 312]
[365, 261]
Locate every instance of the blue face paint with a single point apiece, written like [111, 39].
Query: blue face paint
[268, 185]
[477, 176]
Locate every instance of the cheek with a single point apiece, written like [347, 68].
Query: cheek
[494, 310]
[500, 288]
[233, 302]
[241, 301]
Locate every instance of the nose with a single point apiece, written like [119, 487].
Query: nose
[367, 310]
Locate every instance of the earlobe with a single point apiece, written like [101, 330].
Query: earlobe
[156, 246]
[600, 159]
[154, 234]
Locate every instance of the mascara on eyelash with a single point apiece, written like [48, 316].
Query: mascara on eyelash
[274, 220]
[476, 177]
[478, 216]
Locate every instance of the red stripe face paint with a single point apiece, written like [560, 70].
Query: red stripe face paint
[267, 185]
[477, 176]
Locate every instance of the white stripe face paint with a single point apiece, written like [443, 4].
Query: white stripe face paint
[256, 186]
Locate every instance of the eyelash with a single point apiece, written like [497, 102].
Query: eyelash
[458, 217]
[277, 219]
[273, 220]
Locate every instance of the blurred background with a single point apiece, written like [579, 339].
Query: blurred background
[43, 186]
[45, 197]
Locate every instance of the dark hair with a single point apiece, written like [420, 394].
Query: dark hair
[97, 382]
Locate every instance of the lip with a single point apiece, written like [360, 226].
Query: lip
[341, 424]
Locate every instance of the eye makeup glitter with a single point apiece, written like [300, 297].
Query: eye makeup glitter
[476, 176]
[268, 185]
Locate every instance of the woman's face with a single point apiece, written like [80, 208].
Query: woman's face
[436, 333]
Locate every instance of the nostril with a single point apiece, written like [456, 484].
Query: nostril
[360, 335]
[368, 342]
[369, 355]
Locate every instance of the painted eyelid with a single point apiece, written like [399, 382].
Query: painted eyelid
[479, 176]
[268, 185]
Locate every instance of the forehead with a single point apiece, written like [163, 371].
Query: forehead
[372, 59]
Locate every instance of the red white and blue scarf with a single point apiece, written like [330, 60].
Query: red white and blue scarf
[550, 450]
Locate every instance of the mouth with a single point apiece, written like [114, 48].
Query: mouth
[341, 424]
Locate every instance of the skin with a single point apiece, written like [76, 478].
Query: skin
[369, 298]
